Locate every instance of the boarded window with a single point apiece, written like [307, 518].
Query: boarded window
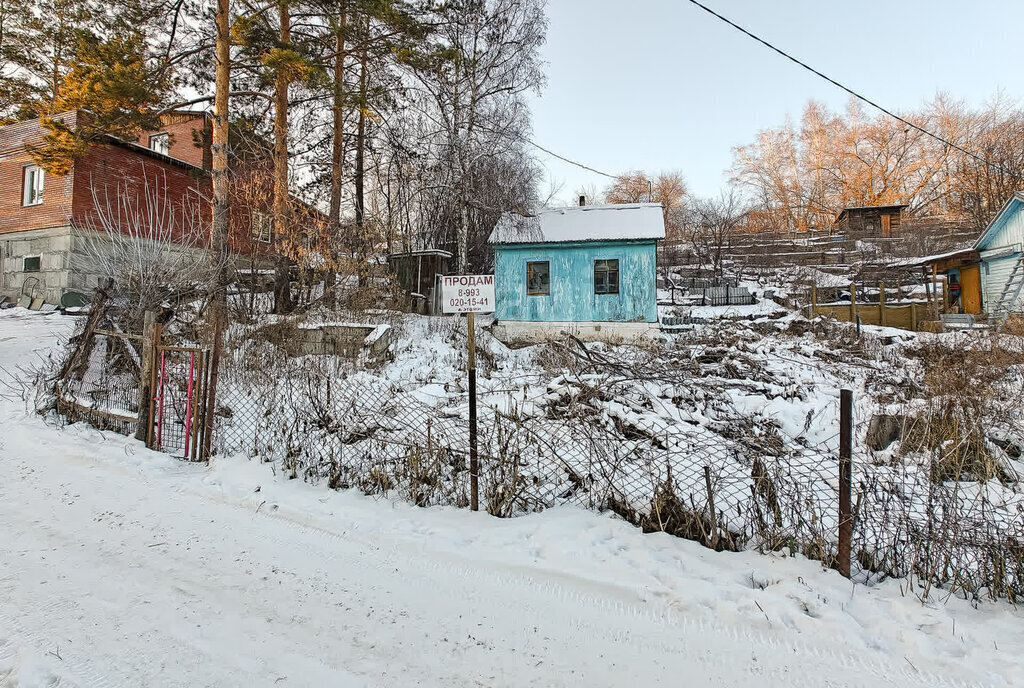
[886, 226]
[32, 187]
[538, 281]
[606, 276]
[161, 143]
[31, 264]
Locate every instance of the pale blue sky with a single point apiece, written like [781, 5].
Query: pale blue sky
[662, 85]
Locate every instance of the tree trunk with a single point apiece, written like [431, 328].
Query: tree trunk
[282, 267]
[360, 238]
[221, 209]
[337, 158]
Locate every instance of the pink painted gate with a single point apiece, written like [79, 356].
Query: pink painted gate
[178, 407]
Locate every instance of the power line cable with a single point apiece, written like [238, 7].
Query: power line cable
[845, 88]
[571, 162]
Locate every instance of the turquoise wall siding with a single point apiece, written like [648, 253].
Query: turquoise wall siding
[572, 296]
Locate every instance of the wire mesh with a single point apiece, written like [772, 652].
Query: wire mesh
[728, 485]
[103, 388]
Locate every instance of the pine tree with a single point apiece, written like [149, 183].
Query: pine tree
[17, 90]
[113, 82]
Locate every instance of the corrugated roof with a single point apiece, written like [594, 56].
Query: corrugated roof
[617, 222]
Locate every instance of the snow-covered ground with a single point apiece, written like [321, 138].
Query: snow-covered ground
[124, 567]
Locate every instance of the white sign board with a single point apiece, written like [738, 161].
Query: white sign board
[467, 293]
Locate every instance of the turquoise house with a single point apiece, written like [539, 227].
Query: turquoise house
[585, 270]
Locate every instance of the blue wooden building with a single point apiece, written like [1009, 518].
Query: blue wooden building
[1001, 250]
[582, 269]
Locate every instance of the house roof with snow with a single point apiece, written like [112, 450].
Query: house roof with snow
[617, 222]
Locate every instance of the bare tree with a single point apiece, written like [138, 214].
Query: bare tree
[711, 224]
[486, 58]
[153, 250]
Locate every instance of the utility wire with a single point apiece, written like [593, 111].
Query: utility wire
[571, 162]
[848, 90]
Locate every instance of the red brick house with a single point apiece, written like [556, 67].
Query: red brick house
[42, 216]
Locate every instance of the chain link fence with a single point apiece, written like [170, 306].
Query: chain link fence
[584, 439]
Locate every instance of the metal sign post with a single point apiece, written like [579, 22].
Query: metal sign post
[474, 459]
[470, 294]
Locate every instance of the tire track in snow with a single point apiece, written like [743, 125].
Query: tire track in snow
[622, 601]
[455, 577]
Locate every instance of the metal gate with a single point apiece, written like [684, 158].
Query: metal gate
[178, 408]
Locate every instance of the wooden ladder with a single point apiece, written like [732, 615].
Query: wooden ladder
[1008, 298]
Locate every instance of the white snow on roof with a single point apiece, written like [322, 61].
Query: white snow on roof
[624, 221]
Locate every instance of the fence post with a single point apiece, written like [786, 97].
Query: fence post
[157, 333]
[148, 355]
[853, 302]
[845, 479]
[881, 305]
[711, 507]
[474, 461]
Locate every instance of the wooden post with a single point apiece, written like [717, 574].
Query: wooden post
[146, 358]
[913, 316]
[853, 302]
[928, 289]
[881, 304]
[814, 300]
[157, 334]
[845, 480]
[711, 508]
[474, 462]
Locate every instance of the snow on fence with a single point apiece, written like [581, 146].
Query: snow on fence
[587, 440]
[576, 444]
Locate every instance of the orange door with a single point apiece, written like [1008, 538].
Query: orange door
[970, 289]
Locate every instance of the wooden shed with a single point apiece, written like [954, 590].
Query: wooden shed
[417, 273]
[869, 222]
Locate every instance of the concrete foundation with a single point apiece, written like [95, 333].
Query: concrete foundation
[53, 248]
[520, 332]
[70, 260]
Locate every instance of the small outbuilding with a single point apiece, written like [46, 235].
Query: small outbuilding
[417, 273]
[1001, 250]
[586, 270]
[869, 222]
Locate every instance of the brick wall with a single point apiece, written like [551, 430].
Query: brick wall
[110, 174]
[189, 139]
[55, 209]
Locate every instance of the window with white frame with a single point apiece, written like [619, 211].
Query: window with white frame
[32, 186]
[261, 228]
[161, 143]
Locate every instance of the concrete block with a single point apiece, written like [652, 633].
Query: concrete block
[524, 333]
[52, 261]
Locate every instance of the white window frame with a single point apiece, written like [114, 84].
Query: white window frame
[260, 227]
[33, 181]
[165, 146]
[24, 262]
